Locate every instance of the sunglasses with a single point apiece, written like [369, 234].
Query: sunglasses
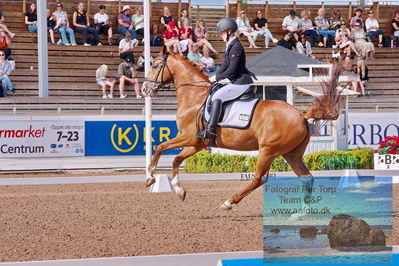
[2, 54]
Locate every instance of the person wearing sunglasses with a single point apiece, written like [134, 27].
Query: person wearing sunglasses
[245, 28]
[366, 49]
[357, 18]
[5, 71]
[286, 41]
[63, 25]
[260, 24]
[373, 28]
[336, 21]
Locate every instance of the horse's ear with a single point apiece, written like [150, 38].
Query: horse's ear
[171, 52]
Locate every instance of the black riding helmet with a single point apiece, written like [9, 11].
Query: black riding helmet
[227, 24]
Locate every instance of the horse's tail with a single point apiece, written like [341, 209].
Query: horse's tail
[329, 105]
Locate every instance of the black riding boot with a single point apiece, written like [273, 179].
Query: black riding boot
[210, 130]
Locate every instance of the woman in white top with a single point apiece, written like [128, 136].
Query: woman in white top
[304, 47]
[373, 28]
[102, 23]
[63, 25]
[245, 28]
[138, 21]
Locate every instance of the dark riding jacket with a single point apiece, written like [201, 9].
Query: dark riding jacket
[233, 67]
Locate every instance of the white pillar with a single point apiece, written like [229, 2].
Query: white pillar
[42, 47]
[290, 94]
[147, 54]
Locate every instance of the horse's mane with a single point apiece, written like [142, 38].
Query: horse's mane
[190, 66]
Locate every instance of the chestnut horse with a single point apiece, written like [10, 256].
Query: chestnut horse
[277, 128]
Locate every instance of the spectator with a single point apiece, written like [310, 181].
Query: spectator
[201, 35]
[260, 24]
[5, 71]
[166, 18]
[303, 46]
[82, 25]
[4, 27]
[62, 26]
[358, 16]
[5, 43]
[208, 61]
[245, 28]
[125, 23]
[363, 72]
[31, 18]
[373, 28]
[286, 41]
[156, 38]
[395, 24]
[323, 27]
[102, 23]
[366, 49]
[184, 15]
[171, 37]
[336, 21]
[340, 32]
[126, 47]
[140, 62]
[347, 46]
[127, 76]
[305, 26]
[50, 26]
[103, 81]
[138, 21]
[185, 35]
[291, 23]
[195, 57]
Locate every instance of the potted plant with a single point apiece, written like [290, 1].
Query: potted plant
[386, 157]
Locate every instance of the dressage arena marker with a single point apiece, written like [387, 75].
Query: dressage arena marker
[161, 184]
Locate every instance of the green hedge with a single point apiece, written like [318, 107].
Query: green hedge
[205, 162]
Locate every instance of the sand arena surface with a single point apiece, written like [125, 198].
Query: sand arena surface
[123, 219]
[104, 220]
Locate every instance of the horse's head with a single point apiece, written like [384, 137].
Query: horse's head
[158, 76]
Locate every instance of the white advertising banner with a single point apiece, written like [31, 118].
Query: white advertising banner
[42, 139]
[369, 129]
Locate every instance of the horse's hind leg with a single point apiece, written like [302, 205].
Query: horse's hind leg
[295, 160]
[184, 154]
[264, 162]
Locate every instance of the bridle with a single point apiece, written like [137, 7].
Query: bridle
[159, 85]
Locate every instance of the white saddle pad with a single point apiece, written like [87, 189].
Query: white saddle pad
[237, 114]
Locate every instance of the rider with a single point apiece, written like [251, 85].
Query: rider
[233, 68]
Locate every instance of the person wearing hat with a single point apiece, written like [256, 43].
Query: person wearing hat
[358, 16]
[291, 23]
[234, 69]
[125, 23]
[171, 37]
[127, 75]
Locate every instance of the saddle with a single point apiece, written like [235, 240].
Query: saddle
[236, 113]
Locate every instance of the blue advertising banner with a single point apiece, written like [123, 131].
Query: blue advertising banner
[105, 138]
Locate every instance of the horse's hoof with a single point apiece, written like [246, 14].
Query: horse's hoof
[181, 193]
[150, 181]
[227, 206]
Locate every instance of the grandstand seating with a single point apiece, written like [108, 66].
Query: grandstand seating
[72, 85]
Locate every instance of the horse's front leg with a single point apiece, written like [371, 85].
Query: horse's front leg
[178, 142]
[184, 154]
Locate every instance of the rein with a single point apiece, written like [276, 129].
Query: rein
[160, 72]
